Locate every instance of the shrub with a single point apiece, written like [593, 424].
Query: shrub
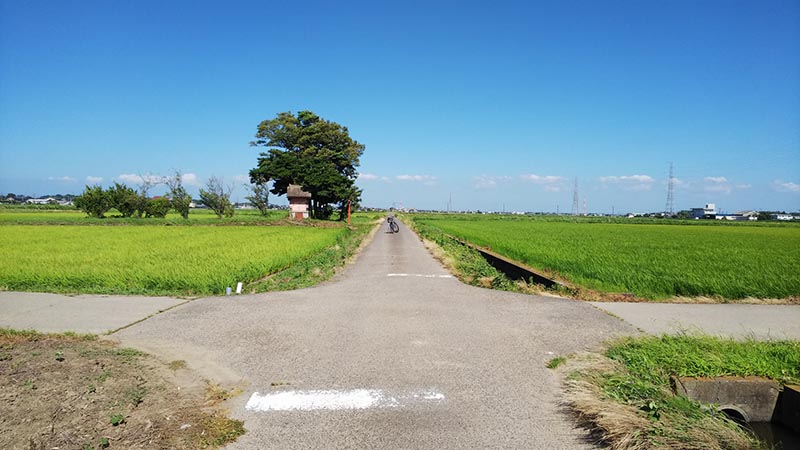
[124, 199]
[156, 207]
[94, 201]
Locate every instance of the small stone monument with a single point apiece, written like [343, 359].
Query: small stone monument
[298, 201]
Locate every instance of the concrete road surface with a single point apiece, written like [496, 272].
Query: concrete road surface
[96, 314]
[764, 322]
[394, 353]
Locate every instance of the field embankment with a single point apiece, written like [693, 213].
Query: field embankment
[63, 253]
[654, 261]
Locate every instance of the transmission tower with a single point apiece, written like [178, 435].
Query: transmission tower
[575, 206]
[584, 206]
[670, 208]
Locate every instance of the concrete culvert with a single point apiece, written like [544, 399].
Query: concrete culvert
[735, 413]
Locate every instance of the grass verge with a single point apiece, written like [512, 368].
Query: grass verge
[624, 395]
[463, 262]
[74, 391]
[319, 266]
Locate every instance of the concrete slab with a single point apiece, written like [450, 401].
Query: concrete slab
[738, 321]
[96, 314]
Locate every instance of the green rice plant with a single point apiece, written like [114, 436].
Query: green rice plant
[177, 260]
[651, 260]
[19, 216]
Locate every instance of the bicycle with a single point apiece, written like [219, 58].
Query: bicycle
[393, 227]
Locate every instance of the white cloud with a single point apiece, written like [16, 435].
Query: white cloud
[553, 188]
[190, 179]
[139, 179]
[367, 176]
[721, 185]
[722, 188]
[787, 186]
[94, 180]
[241, 179]
[627, 179]
[630, 182]
[539, 179]
[422, 178]
[63, 179]
[490, 182]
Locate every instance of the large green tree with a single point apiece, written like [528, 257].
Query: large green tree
[313, 152]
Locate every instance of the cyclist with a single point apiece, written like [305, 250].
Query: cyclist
[393, 227]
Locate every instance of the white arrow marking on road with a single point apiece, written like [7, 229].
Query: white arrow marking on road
[420, 275]
[337, 400]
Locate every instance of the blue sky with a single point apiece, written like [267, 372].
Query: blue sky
[499, 104]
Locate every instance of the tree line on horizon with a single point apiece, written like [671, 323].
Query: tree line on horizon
[303, 149]
[96, 201]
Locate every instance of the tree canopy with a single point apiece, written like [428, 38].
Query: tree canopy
[313, 152]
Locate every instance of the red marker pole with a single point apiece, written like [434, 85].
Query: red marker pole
[348, 212]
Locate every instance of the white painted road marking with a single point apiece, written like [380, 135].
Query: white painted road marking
[420, 275]
[338, 400]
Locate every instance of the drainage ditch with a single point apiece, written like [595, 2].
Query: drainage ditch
[764, 407]
[512, 269]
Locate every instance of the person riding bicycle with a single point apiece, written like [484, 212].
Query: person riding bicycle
[393, 228]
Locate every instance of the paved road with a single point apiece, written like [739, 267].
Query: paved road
[766, 322]
[95, 314]
[394, 353]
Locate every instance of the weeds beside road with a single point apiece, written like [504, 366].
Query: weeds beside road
[624, 395]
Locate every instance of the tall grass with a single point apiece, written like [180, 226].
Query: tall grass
[650, 260]
[151, 260]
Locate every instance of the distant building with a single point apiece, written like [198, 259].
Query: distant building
[783, 217]
[707, 212]
[41, 201]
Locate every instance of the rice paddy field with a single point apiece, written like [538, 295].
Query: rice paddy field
[63, 251]
[26, 216]
[651, 260]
